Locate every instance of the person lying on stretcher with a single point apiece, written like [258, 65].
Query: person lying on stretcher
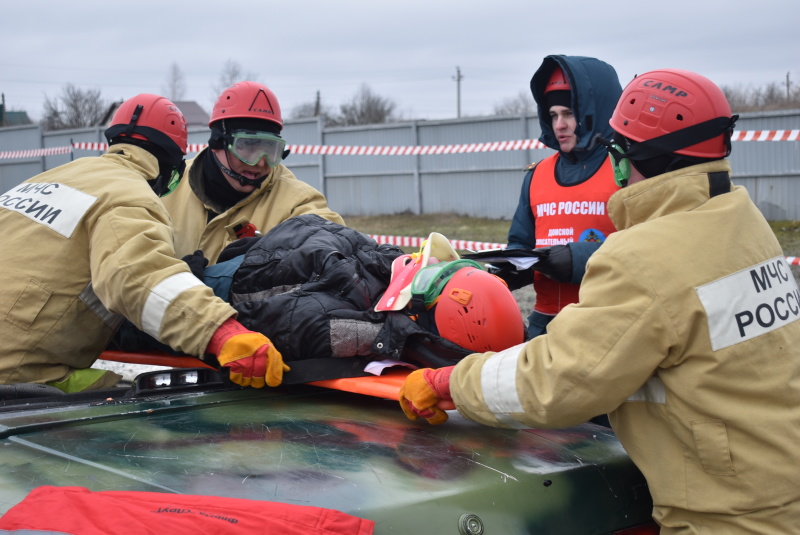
[320, 291]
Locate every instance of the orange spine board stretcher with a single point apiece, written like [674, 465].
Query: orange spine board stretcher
[379, 386]
[154, 359]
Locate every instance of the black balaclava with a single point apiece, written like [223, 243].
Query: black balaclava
[216, 186]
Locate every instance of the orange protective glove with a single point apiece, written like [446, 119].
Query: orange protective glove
[426, 393]
[252, 359]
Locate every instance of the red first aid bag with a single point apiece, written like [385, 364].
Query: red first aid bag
[79, 511]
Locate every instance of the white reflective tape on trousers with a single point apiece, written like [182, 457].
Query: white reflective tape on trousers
[750, 302]
[499, 384]
[161, 297]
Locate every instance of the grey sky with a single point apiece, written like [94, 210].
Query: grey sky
[406, 51]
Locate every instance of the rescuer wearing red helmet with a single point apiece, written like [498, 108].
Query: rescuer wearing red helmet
[238, 186]
[89, 243]
[466, 305]
[686, 332]
[562, 205]
[477, 311]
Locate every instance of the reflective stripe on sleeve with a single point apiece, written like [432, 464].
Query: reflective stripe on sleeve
[652, 391]
[161, 297]
[499, 384]
[94, 304]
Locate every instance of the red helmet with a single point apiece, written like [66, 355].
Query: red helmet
[247, 100]
[667, 101]
[151, 118]
[477, 311]
[558, 81]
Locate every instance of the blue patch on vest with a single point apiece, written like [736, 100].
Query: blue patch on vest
[592, 235]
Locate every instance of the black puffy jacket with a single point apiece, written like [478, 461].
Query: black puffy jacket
[310, 285]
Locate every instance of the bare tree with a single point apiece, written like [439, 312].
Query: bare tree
[522, 104]
[366, 108]
[304, 110]
[78, 109]
[773, 96]
[740, 98]
[231, 73]
[313, 109]
[175, 88]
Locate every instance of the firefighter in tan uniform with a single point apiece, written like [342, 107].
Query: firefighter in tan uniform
[89, 242]
[686, 331]
[238, 185]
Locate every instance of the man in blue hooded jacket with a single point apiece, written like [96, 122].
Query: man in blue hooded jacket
[562, 206]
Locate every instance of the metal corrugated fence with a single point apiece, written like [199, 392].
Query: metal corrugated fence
[479, 184]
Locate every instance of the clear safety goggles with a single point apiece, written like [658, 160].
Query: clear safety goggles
[250, 147]
[429, 282]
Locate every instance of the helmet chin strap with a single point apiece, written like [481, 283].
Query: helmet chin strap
[241, 179]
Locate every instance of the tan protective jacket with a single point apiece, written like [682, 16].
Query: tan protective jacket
[686, 332]
[82, 244]
[280, 197]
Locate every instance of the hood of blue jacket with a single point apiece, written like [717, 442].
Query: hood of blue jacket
[595, 92]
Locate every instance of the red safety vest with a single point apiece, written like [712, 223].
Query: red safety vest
[567, 214]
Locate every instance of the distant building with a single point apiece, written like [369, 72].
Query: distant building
[195, 115]
[14, 118]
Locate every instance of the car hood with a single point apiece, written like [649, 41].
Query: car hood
[311, 446]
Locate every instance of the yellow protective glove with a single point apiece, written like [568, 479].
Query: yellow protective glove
[426, 393]
[250, 356]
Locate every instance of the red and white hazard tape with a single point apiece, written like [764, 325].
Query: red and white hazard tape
[466, 245]
[492, 146]
[33, 153]
[410, 150]
[766, 135]
[90, 146]
[409, 241]
[341, 150]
